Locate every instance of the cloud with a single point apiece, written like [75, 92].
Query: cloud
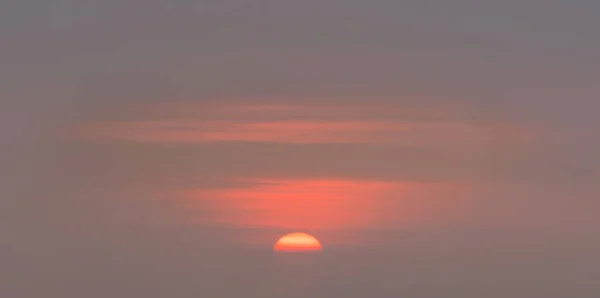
[308, 123]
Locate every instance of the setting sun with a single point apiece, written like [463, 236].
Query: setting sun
[296, 242]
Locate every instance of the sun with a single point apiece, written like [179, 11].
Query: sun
[298, 242]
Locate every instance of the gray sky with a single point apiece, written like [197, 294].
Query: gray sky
[436, 148]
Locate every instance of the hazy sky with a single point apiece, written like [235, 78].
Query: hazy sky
[436, 148]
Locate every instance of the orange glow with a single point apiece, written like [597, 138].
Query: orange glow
[297, 242]
[325, 204]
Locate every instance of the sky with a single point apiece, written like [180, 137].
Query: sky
[435, 148]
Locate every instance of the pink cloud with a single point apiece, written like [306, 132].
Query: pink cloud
[300, 124]
[188, 131]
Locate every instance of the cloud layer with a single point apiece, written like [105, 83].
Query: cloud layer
[307, 123]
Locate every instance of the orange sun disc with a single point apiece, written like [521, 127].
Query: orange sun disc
[297, 242]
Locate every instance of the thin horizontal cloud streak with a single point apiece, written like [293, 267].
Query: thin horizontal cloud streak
[304, 124]
[326, 109]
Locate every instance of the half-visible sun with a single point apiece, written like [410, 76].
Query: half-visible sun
[298, 242]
